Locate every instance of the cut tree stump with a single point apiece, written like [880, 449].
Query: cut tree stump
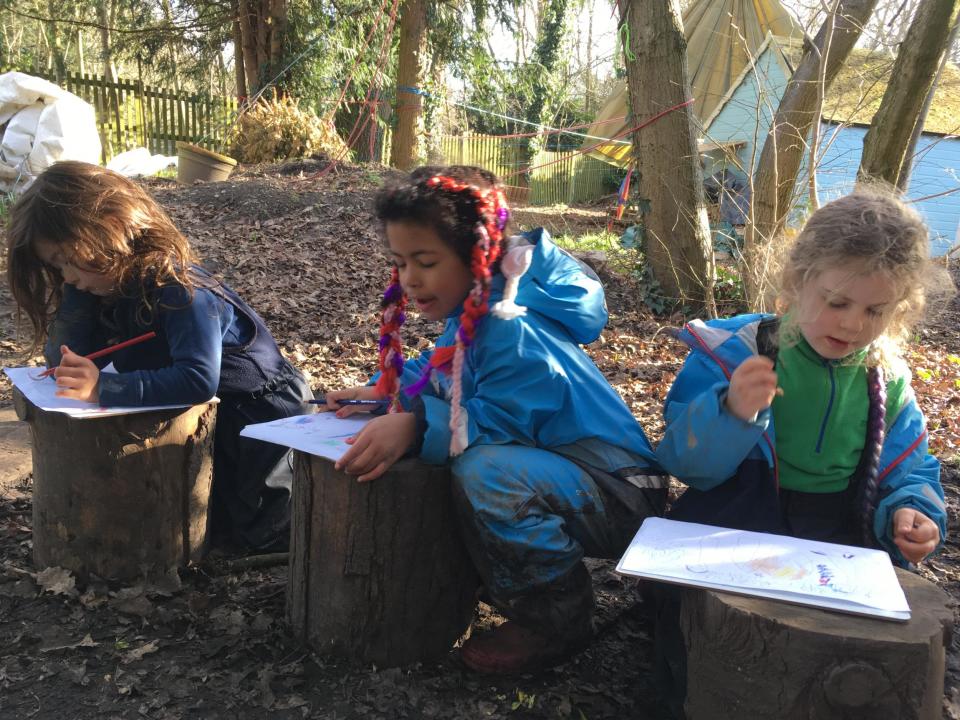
[121, 497]
[378, 572]
[754, 658]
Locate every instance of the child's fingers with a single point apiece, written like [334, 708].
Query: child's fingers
[364, 462]
[927, 532]
[353, 458]
[70, 371]
[348, 410]
[379, 470]
[914, 551]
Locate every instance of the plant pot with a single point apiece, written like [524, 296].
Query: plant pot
[197, 163]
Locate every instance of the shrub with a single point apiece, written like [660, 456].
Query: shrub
[278, 129]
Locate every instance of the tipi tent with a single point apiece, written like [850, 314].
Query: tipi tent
[722, 37]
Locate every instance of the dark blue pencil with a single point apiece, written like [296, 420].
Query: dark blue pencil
[371, 403]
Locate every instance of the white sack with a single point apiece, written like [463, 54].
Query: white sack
[43, 124]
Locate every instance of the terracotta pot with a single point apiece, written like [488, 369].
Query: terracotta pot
[197, 163]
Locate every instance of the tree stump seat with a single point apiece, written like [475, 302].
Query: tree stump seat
[753, 658]
[378, 572]
[121, 497]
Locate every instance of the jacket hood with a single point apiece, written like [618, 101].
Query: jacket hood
[557, 286]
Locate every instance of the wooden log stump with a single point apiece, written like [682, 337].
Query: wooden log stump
[378, 572]
[754, 658]
[122, 497]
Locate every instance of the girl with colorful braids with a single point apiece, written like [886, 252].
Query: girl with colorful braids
[823, 437]
[548, 463]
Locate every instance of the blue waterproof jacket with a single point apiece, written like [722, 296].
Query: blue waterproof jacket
[705, 446]
[527, 380]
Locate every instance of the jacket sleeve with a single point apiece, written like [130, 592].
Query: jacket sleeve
[518, 386]
[194, 333]
[910, 477]
[703, 444]
[75, 324]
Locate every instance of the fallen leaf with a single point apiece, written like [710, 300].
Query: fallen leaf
[57, 581]
[138, 653]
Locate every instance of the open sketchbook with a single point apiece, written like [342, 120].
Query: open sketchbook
[322, 434]
[834, 577]
[41, 392]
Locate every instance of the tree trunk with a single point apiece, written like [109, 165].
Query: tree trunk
[171, 46]
[904, 182]
[56, 47]
[238, 64]
[248, 44]
[278, 26]
[105, 15]
[121, 497]
[775, 177]
[378, 572]
[405, 149]
[670, 187]
[766, 660]
[80, 51]
[887, 142]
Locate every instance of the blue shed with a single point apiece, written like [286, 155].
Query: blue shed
[737, 127]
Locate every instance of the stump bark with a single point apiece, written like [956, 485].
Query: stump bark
[378, 572]
[121, 497]
[754, 658]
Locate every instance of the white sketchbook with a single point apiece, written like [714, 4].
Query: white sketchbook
[322, 434]
[42, 393]
[835, 577]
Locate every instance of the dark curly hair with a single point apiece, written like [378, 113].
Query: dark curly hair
[453, 216]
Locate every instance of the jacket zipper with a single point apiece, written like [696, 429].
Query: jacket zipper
[826, 415]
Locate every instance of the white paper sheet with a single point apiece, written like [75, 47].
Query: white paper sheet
[41, 392]
[322, 434]
[839, 577]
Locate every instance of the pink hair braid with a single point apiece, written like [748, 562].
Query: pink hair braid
[391, 350]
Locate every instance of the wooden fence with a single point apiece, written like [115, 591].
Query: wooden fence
[557, 177]
[131, 114]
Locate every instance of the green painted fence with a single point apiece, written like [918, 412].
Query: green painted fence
[131, 114]
[556, 177]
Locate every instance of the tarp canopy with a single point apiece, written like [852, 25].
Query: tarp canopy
[722, 37]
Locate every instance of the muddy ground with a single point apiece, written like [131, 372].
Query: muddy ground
[300, 245]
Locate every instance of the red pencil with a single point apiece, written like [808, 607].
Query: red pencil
[107, 350]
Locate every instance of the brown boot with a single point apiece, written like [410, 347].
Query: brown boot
[547, 626]
[511, 649]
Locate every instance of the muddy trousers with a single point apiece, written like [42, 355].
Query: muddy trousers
[528, 517]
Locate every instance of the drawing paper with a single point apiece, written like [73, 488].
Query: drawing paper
[322, 434]
[41, 392]
[837, 577]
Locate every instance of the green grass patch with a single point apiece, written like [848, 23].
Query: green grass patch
[602, 240]
[6, 202]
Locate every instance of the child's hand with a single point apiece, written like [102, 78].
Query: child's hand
[914, 534]
[752, 387]
[379, 445]
[76, 377]
[363, 392]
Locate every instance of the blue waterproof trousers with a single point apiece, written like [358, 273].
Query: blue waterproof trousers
[528, 517]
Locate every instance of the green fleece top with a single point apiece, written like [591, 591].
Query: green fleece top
[820, 420]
